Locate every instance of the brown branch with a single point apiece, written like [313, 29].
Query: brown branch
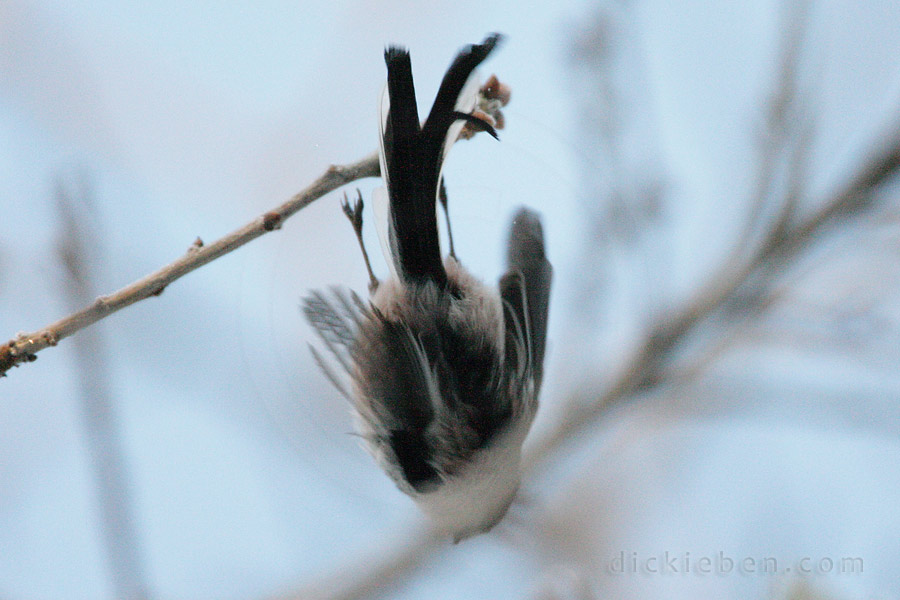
[26, 345]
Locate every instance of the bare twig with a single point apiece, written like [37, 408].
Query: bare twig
[26, 345]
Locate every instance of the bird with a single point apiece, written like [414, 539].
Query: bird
[442, 371]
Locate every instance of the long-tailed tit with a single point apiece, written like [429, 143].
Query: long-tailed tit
[444, 371]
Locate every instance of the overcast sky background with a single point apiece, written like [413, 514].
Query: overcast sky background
[190, 119]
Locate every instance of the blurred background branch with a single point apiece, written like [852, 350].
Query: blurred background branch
[80, 254]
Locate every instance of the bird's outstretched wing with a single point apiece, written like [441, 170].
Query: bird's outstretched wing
[396, 394]
[336, 321]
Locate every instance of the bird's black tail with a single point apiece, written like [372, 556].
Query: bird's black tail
[413, 157]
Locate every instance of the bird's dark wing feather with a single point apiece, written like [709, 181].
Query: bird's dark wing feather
[398, 396]
[525, 291]
[413, 220]
[443, 111]
[413, 156]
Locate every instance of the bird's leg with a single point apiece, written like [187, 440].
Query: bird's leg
[442, 196]
[354, 215]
